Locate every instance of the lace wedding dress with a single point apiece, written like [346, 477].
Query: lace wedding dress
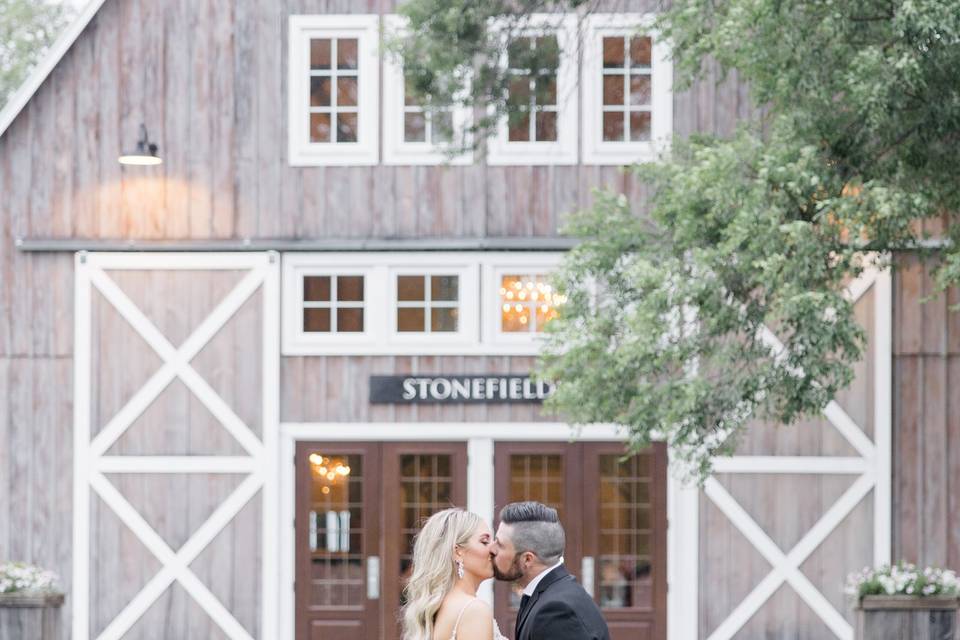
[496, 628]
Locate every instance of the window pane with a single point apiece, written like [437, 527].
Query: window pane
[613, 90]
[515, 317]
[443, 319]
[319, 91]
[350, 288]
[316, 320]
[546, 90]
[518, 53]
[349, 320]
[624, 568]
[545, 313]
[414, 127]
[613, 126]
[548, 52]
[444, 288]
[346, 92]
[320, 54]
[519, 127]
[409, 93]
[613, 53]
[410, 288]
[519, 91]
[640, 125]
[546, 126]
[346, 127]
[316, 288]
[410, 319]
[319, 127]
[640, 48]
[347, 53]
[639, 88]
[442, 130]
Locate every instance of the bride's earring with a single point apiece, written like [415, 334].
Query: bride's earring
[460, 569]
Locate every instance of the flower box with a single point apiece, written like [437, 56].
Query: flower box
[883, 617]
[30, 616]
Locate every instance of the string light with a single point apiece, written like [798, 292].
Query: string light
[528, 302]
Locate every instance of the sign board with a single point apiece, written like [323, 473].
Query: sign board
[468, 389]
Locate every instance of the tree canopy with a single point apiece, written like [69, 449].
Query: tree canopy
[854, 144]
[27, 28]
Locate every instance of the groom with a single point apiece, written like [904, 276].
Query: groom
[529, 550]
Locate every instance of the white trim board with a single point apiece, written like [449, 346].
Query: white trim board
[91, 463]
[45, 67]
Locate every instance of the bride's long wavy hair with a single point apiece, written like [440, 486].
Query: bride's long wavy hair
[434, 569]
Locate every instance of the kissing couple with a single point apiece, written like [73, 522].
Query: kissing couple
[456, 551]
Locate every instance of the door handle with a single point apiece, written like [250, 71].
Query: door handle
[586, 574]
[373, 577]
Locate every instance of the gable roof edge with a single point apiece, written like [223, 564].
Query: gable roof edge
[42, 71]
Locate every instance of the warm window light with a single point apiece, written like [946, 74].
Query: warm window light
[144, 155]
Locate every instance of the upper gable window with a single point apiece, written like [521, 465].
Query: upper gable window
[418, 130]
[542, 103]
[627, 77]
[334, 89]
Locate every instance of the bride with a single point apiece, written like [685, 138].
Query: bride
[451, 557]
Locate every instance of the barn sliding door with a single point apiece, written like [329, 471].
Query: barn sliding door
[176, 421]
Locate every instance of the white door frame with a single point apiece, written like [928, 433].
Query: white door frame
[91, 461]
[479, 437]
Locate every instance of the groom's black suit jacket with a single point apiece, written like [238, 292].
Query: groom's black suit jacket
[560, 609]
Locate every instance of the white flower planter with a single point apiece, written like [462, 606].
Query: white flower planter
[30, 616]
[908, 617]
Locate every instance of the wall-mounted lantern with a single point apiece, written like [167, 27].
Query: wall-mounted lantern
[145, 154]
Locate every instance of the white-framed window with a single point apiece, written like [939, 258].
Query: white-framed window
[416, 303]
[627, 78]
[334, 86]
[434, 304]
[543, 106]
[329, 307]
[521, 300]
[414, 132]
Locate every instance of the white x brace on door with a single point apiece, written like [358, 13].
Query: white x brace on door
[261, 272]
[872, 470]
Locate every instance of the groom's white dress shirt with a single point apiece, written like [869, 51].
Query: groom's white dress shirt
[532, 585]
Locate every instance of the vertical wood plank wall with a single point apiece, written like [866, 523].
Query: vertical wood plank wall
[926, 436]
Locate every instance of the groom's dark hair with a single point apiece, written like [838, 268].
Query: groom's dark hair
[536, 528]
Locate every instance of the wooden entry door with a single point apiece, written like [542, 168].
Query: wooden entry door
[359, 506]
[614, 515]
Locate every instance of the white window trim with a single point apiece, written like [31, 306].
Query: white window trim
[468, 307]
[366, 29]
[396, 151]
[479, 315]
[500, 151]
[595, 149]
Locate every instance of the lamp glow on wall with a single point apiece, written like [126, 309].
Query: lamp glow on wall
[145, 154]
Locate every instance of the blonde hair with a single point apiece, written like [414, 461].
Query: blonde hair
[434, 569]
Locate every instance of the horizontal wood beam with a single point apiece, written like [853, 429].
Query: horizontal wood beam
[71, 245]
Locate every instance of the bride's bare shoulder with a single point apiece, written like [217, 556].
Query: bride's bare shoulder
[476, 622]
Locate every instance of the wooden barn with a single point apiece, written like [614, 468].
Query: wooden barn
[236, 375]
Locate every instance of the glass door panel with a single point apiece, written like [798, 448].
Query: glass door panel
[628, 539]
[544, 472]
[337, 539]
[419, 479]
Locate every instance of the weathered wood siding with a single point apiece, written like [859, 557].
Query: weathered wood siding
[926, 437]
[786, 506]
